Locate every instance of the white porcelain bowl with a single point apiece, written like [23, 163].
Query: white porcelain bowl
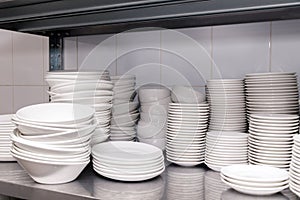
[155, 109]
[149, 117]
[153, 93]
[125, 95]
[151, 129]
[51, 172]
[163, 101]
[56, 113]
[120, 119]
[29, 129]
[185, 94]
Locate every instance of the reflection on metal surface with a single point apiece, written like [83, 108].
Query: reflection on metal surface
[185, 183]
[178, 183]
[232, 194]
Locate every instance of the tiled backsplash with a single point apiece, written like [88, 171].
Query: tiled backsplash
[173, 57]
[182, 56]
[24, 59]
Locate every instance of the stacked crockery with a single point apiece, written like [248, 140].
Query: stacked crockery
[51, 141]
[127, 161]
[185, 183]
[275, 92]
[125, 112]
[87, 88]
[227, 105]
[295, 167]
[187, 126]
[6, 128]
[271, 139]
[213, 185]
[151, 128]
[225, 148]
[255, 179]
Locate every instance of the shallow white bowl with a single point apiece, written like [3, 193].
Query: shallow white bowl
[160, 143]
[56, 113]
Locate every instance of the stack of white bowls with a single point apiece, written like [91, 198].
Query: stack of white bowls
[225, 148]
[271, 139]
[295, 167]
[51, 141]
[151, 128]
[226, 98]
[275, 92]
[185, 183]
[255, 179]
[6, 128]
[87, 88]
[127, 161]
[213, 185]
[125, 112]
[187, 127]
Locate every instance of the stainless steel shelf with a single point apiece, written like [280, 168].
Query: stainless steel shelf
[79, 17]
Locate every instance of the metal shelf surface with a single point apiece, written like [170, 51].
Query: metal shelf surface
[16, 183]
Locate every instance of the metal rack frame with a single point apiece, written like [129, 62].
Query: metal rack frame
[64, 18]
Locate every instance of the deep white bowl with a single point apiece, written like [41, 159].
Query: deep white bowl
[153, 94]
[120, 119]
[151, 129]
[51, 172]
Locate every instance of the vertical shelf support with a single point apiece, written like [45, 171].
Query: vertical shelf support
[56, 51]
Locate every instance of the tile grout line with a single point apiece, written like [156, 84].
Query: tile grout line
[160, 54]
[211, 52]
[13, 71]
[116, 53]
[270, 47]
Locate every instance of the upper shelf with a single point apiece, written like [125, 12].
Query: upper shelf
[79, 17]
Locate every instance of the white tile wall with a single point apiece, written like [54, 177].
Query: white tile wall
[191, 56]
[286, 46]
[28, 60]
[139, 53]
[27, 95]
[186, 56]
[240, 49]
[24, 59]
[6, 100]
[6, 59]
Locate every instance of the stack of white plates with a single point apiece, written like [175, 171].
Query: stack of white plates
[225, 148]
[52, 140]
[295, 167]
[227, 105]
[187, 126]
[107, 189]
[185, 183]
[127, 161]
[152, 127]
[87, 88]
[213, 185]
[126, 112]
[271, 139]
[275, 92]
[255, 179]
[6, 128]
